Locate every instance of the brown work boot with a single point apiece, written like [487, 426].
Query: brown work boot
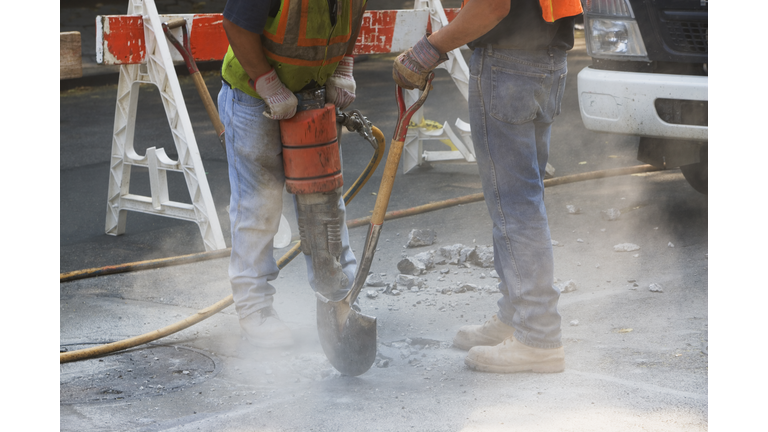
[493, 332]
[512, 356]
[264, 329]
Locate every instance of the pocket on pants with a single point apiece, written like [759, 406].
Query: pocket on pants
[513, 95]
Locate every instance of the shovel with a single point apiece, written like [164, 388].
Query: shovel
[347, 336]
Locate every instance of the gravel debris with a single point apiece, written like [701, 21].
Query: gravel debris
[626, 247]
[574, 323]
[655, 287]
[375, 280]
[409, 281]
[572, 209]
[566, 287]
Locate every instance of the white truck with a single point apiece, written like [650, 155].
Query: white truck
[649, 78]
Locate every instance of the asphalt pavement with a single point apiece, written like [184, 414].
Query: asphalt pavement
[636, 359]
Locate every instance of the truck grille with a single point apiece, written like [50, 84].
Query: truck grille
[688, 36]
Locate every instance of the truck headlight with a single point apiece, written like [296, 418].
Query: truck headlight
[611, 31]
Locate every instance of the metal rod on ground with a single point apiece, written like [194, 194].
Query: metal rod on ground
[593, 175]
[353, 223]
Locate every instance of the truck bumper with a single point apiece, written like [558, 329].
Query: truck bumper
[623, 102]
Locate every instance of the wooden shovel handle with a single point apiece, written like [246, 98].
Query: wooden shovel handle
[210, 108]
[387, 181]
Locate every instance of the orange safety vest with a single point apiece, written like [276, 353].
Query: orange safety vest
[553, 10]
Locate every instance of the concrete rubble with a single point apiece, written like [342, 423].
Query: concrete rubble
[411, 266]
[572, 209]
[568, 286]
[482, 256]
[626, 247]
[375, 280]
[421, 237]
[655, 287]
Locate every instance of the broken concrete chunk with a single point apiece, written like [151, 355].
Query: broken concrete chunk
[574, 323]
[557, 243]
[482, 256]
[572, 209]
[494, 274]
[670, 245]
[654, 287]
[411, 266]
[455, 254]
[468, 287]
[372, 294]
[375, 280]
[408, 281]
[426, 258]
[421, 237]
[611, 214]
[567, 287]
[626, 247]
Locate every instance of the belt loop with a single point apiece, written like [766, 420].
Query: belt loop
[490, 49]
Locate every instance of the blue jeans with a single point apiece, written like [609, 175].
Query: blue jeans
[256, 178]
[514, 96]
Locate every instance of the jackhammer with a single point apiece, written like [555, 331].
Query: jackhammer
[312, 164]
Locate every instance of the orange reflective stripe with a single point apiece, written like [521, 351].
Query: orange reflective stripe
[299, 62]
[553, 10]
[282, 24]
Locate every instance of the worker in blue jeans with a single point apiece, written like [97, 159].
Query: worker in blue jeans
[276, 49]
[517, 78]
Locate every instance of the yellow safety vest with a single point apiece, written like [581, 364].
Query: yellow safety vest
[300, 43]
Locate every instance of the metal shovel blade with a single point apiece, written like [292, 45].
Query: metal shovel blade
[348, 337]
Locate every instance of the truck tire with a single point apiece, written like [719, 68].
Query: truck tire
[697, 174]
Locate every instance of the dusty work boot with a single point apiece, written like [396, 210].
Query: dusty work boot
[512, 356]
[492, 332]
[264, 329]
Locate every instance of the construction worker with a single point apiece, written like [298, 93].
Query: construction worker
[517, 78]
[276, 49]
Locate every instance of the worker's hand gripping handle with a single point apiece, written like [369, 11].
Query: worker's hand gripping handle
[396, 150]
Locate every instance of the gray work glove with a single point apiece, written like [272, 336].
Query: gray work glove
[281, 102]
[411, 68]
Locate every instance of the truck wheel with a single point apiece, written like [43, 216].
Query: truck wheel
[697, 174]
